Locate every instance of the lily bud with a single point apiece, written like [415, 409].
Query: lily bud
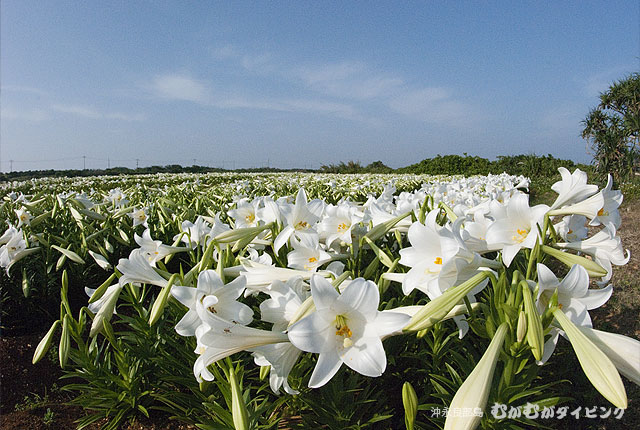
[593, 269]
[535, 332]
[623, 351]
[264, 372]
[69, 254]
[410, 402]
[238, 407]
[439, 307]
[45, 343]
[99, 292]
[161, 301]
[381, 229]
[596, 365]
[63, 349]
[241, 234]
[26, 285]
[474, 391]
[521, 330]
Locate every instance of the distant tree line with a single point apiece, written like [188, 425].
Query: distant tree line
[525, 164]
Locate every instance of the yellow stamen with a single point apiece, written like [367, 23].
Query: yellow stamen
[438, 260]
[342, 329]
[250, 218]
[521, 236]
[302, 225]
[342, 227]
[312, 259]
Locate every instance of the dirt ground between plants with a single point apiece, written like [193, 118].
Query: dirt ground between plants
[31, 400]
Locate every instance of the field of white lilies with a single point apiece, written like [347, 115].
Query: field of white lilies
[252, 301]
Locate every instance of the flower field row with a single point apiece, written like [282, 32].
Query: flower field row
[211, 295]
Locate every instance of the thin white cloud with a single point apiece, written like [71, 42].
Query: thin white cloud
[91, 113]
[249, 61]
[23, 89]
[434, 105]
[32, 115]
[180, 87]
[349, 80]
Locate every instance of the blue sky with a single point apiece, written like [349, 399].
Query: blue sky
[301, 83]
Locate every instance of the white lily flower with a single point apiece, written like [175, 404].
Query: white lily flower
[14, 249]
[345, 328]
[194, 234]
[137, 269]
[436, 256]
[154, 250]
[117, 197]
[605, 248]
[589, 207]
[280, 309]
[300, 220]
[517, 228]
[572, 188]
[573, 228]
[260, 276]
[609, 214]
[8, 234]
[574, 295]
[24, 217]
[216, 299]
[245, 213]
[338, 223]
[307, 254]
[225, 339]
[139, 217]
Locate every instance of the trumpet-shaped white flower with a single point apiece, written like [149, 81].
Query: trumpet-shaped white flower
[307, 254]
[345, 328]
[154, 250]
[436, 256]
[574, 297]
[194, 234]
[285, 301]
[572, 188]
[338, 223]
[24, 217]
[608, 215]
[137, 269]
[225, 339]
[117, 197]
[517, 228]
[246, 213]
[216, 299]
[14, 248]
[573, 228]
[139, 217]
[8, 234]
[300, 221]
[605, 248]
